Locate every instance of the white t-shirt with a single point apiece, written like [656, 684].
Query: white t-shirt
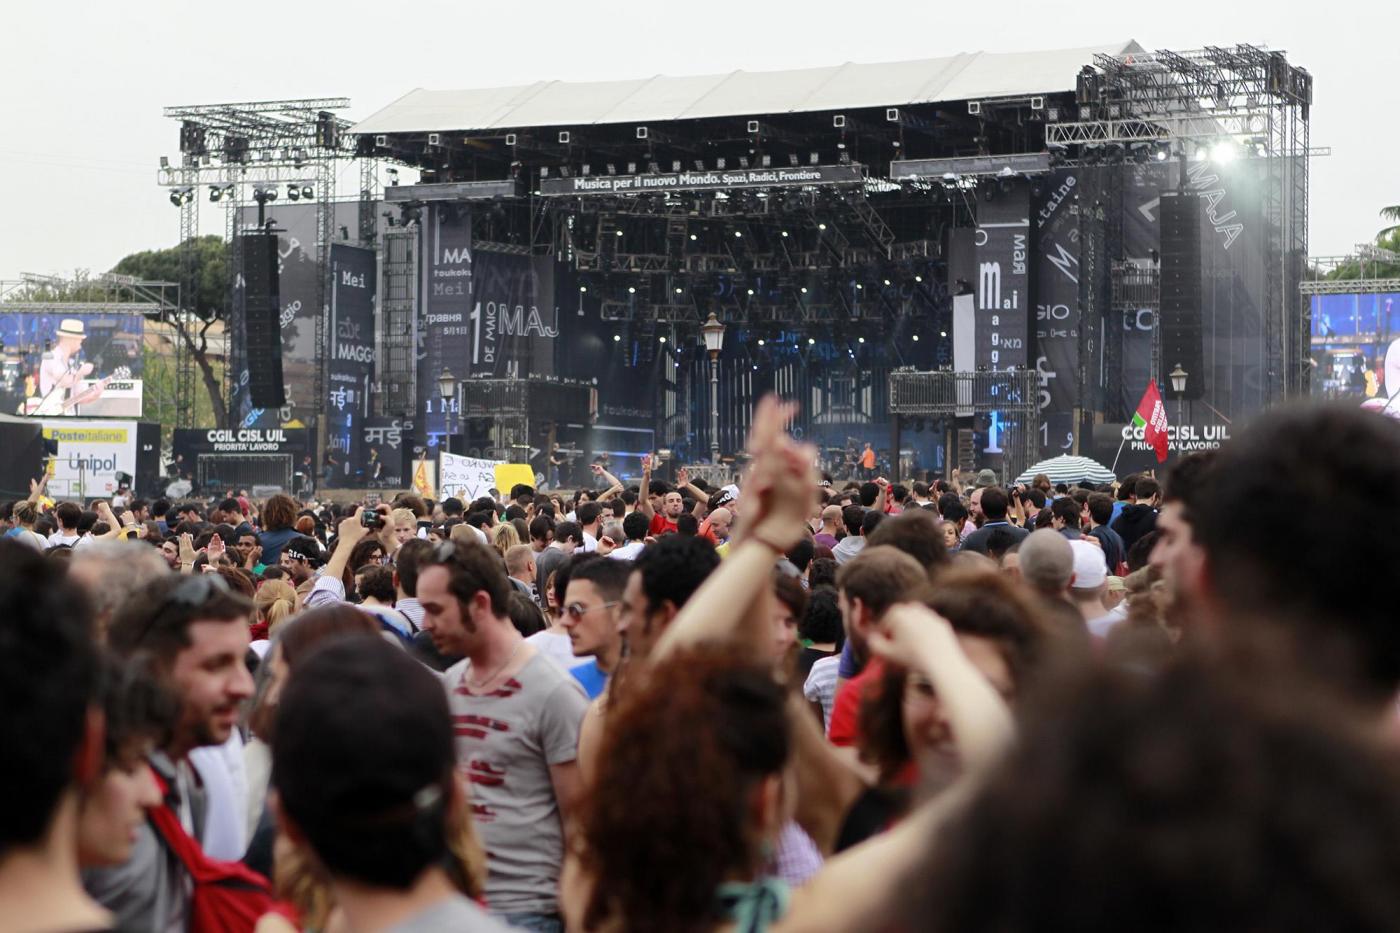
[58, 539]
[557, 646]
[628, 551]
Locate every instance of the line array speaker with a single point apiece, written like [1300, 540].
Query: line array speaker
[262, 320]
[1180, 310]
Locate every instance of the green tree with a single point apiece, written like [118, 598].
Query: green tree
[198, 311]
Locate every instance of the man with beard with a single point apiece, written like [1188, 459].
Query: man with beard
[663, 519]
[516, 714]
[194, 630]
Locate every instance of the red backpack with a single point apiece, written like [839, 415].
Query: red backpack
[229, 897]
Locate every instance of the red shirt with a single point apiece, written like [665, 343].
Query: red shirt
[661, 525]
[845, 710]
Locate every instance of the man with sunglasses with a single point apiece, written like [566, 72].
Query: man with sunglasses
[591, 610]
[194, 631]
[516, 714]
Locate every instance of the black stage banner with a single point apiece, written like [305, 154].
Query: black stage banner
[514, 322]
[718, 179]
[1056, 276]
[351, 365]
[383, 453]
[187, 443]
[1001, 287]
[446, 331]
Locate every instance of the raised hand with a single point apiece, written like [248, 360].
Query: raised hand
[683, 477]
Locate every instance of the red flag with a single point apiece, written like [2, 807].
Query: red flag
[1151, 416]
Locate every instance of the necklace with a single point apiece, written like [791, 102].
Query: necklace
[480, 684]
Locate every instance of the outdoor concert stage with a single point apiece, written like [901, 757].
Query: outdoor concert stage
[1057, 227]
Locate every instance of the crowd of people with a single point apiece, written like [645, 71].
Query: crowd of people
[783, 705]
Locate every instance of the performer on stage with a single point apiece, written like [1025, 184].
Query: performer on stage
[60, 371]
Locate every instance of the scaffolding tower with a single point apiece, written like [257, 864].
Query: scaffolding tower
[231, 151]
[1244, 94]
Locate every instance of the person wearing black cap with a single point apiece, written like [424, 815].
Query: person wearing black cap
[364, 767]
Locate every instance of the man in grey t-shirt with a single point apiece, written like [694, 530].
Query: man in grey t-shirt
[516, 715]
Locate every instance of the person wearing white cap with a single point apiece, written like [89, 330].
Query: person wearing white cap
[1086, 587]
[59, 371]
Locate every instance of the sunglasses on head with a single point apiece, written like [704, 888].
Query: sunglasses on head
[191, 592]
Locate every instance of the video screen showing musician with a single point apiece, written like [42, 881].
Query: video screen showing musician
[61, 369]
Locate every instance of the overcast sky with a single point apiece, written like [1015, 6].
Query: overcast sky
[82, 84]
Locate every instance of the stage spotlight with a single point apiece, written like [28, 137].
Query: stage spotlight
[821, 226]
[918, 278]
[916, 338]
[750, 292]
[619, 233]
[785, 233]
[792, 159]
[1163, 152]
[270, 194]
[308, 192]
[804, 289]
[813, 158]
[617, 338]
[860, 340]
[583, 288]
[663, 339]
[215, 193]
[738, 234]
[679, 290]
[887, 282]
[612, 168]
[1223, 151]
[293, 193]
[942, 333]
[175, 198]
[761, 341]
[811, 341]
[631, 289]
[860, 286]
[693, 237]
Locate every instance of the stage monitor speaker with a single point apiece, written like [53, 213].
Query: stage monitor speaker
[262, 326]
[1179, 314]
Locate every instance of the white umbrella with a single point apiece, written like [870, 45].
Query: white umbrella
[1067, 469]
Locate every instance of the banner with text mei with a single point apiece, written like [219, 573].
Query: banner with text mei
[1002, 283]
[718, 179]
[446, 332]
[351, 366]
[467, 478]
[90, 455]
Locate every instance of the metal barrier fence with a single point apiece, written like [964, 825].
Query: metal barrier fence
[218, 471]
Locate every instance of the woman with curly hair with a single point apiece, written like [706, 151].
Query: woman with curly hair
[688, 801]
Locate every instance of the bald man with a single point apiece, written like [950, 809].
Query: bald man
[720, 521]
[831, 527]
[1047, 569]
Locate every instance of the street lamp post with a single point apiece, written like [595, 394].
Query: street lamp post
[1178, 376]
[713, 332]
[447, 388]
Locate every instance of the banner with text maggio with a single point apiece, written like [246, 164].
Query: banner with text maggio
[1002, 283]
[446, 331]
[718, 179]
[351, 365]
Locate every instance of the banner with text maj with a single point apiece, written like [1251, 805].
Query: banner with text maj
[514, 322]
[1002, 285]
[351, 366]
[445, 334]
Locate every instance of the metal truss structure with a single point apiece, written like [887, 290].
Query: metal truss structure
[233, 151]
[1246, 96]
[1349, 286]
[1014, 396]
[106, 294]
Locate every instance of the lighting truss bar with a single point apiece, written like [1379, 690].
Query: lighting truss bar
[221, 175]
[454, 191]
[1201, 127]
[1033, 163]
[1343, 286]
